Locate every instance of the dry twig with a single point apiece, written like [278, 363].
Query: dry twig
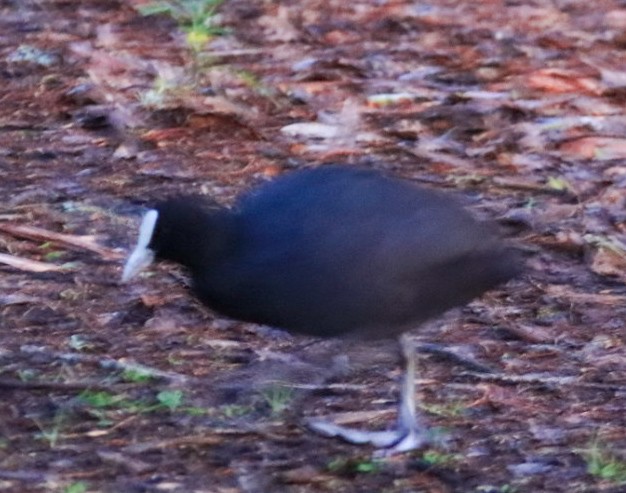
[28, 265]
[72, 241]
[534, 379]
[10, 383]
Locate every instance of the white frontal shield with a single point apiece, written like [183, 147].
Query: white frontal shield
[142, 256]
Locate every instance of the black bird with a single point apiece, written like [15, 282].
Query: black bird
[332, 252]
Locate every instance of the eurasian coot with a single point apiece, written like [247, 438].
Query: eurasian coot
[336, 251]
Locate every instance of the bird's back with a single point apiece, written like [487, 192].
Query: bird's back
[334, 250]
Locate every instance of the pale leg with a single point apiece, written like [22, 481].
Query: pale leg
[409, 434]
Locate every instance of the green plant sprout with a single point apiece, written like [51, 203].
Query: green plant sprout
[77, 487]
[199, 21]
[435, 458]
[136, 375]
[102, 399]
[197, 18]
[342, 465]
[603, 463]
[235, 410]
[277, 398]
[559, 184]
[166, 399]
[171, 399]
[52, 433]
[27, 374]
[79, 342]
[450, 410]
[157, 96]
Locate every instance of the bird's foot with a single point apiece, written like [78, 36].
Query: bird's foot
[401, 439]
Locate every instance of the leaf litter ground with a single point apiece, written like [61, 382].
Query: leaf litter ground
[516, 107]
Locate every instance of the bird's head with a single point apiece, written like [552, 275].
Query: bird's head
[185, 230]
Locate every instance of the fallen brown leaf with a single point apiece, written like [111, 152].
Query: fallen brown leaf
[563, 81]
[596, 147]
